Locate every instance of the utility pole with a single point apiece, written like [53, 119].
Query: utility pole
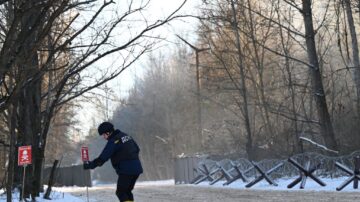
[199, 119]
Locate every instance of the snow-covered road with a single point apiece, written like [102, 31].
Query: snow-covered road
[166, 191]
[202, 193]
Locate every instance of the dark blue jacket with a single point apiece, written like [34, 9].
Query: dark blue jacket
[123, 152]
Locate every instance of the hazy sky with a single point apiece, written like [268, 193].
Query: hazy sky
[157, 9]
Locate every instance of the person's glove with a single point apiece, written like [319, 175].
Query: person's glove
[87, 165]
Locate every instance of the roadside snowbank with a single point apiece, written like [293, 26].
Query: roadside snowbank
[65, 194]
[310, 185]
[56, 196]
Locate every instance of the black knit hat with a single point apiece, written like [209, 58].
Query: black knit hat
[105, 127]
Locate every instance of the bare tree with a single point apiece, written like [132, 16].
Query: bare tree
[326, 127]
[355, 63]
[286, 46]
[68, 45]
[243, 89]
[255, 45]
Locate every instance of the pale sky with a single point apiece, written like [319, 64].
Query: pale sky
[160, 9]
[157, 9]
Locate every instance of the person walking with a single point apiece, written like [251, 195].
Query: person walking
[124, 154]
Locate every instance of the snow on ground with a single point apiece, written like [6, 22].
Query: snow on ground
[64, 194]
[138, 183]
[55, 196]
[310, 185]
[156, 183]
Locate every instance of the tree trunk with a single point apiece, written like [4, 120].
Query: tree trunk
[326, 127]
[29, 130]
[198, 102]
[259, 63]
[243, 90]
[355, 52]
[11, 165]
[30, 101]
[37, 141]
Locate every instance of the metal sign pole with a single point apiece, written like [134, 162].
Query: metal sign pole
[87, 193]
[85, 159]
[87, 189]
[23, 184]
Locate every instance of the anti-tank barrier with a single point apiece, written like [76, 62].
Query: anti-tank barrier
[210, 170]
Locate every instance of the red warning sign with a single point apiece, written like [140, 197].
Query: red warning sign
[24, 155]
[84, 153]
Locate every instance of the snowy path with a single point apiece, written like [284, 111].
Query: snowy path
[191, 193]
[180, 193]
[166, 191]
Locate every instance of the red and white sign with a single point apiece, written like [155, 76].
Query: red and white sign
[24, 155]
[84, 153]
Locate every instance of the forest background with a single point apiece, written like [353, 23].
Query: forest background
[257, 78]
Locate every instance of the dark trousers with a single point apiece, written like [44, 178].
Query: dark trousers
[125, 185]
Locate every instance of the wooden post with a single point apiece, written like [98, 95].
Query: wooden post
[51, 180]
[23, 185]
[356, 171]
